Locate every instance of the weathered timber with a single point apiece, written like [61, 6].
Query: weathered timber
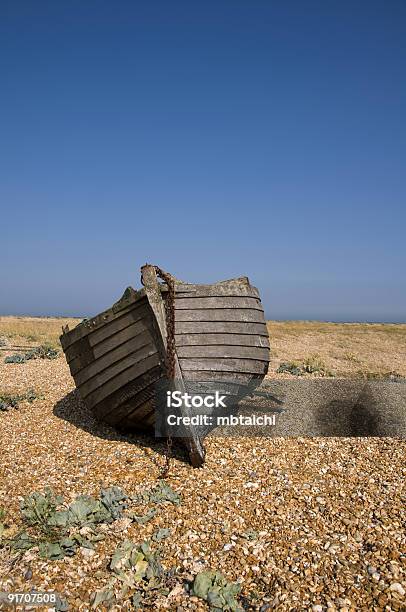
[113, 384]
[198, 303]
[118, 357]
[206, 339]
[225, 365]
[223, 351]
[131, 333]
[219, 327]
[110, 360]
[221, 314]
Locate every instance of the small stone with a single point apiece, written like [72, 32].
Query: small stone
[317, 608]
[341, 602]
[371, 570]
[176, 591]
[397, 588]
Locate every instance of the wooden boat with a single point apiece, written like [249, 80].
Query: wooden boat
[118, 357]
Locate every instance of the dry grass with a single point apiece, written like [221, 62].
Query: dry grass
[346, 349]
[21, 331]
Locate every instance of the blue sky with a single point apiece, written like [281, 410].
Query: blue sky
[215, 139]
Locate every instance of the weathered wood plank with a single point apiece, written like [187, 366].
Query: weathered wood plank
[142, 419]
[210, 387]
[141, 404]
[107, 316]
[235, 285]
[221, 327]
[149, 421]
[222, 314]
[112, 342]
[213, 327]
[224, 365]
[227, 339]
[229, 290]
[127, 392]
[111, 358]
[122, 379]
[192, 303]
[240, 352]
[138, 312]
[111, 372]
[78, 348]
[245, 379]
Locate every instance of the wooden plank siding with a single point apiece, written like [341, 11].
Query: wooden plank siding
[137, 313]
[117, 358]
[237, 287]
[100, 320]
[203, 303]
[131, 333]
[125, 376]
[223, 351]
[223, 315]
[134, 346]
[224, 365]
[225, 327]
[127, 394]
[206, 339]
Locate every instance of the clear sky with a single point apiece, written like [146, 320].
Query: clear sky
[215, 139]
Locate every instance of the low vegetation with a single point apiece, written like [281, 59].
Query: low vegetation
[313, 365]
[56, 530]
[392, 376]
[60, 532]
[366, 350]
[9, 401]
[45, 351]
[34, 330]
[217, 591]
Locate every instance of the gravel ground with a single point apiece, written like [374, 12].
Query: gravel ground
[328, 513]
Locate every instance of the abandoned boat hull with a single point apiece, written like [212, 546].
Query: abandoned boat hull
[118, 357]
